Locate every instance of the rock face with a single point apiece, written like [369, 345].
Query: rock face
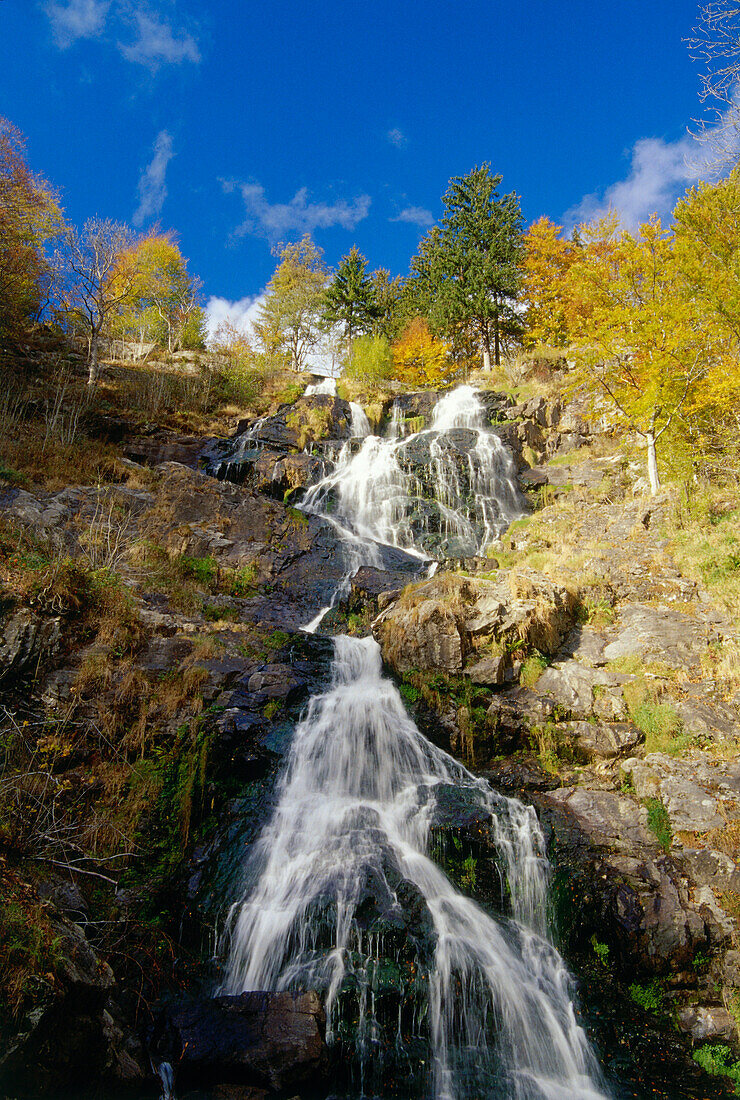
[26, 641]
[269, 1039]
[467, 624]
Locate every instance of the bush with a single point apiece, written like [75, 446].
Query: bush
[369, 361]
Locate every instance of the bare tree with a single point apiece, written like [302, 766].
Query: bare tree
[98, 273]
[715, 46]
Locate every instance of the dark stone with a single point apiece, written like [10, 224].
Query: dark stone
[263, 1039]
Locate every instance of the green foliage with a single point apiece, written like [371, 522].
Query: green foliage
[243, 581]
[202, 570]
[659, 822]
[277, 640]
[409, 693]
[369, 362]
[532, 669]
[719, 1060]
[350, 299]
[650, 996]
[480, 236]
[601, 950]
[273, 708]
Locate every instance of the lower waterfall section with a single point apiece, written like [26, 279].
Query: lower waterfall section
[426, 993]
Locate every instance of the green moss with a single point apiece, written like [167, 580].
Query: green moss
[601, 950]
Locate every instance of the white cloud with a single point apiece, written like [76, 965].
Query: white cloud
[152, 185]
[396, 137]
[660, 171]
[277, 221]
[156, 43]
[77, 19]
[415, 215]
[240, 313]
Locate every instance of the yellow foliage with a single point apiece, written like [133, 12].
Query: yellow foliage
[547, 260]
[420, 359]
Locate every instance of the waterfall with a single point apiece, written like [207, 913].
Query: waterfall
[341, 895]
[446, 491]
[360, 426]
[328, 387]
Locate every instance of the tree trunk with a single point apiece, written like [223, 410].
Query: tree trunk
[652, 462]
[92, 367]
[496, 342]
[486, 359]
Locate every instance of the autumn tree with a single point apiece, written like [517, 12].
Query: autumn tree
[289, 322]
[99, 272]
[165, 302]
[547, 260]
[707, 250]
[715, 46]
[468, 269]
[640, 344]
[419, 358]
[29, 218]
[350, 300]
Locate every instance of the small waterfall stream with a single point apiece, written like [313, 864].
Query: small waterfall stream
[427, 994]
[447, 490]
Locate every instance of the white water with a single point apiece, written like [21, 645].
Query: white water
[327, 387]
[356, 805]
[473, 480]
[360, 426]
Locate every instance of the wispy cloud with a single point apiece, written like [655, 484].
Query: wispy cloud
[240, 313]
[397, 137]
[156, 43]
[285, 220]
[660, 171]
[142, 35]
[76, 19]
[152, 182]
[415, 215]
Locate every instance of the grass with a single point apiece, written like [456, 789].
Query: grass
[659, 721]
[532, 669]
[659, 822]
[704, 530]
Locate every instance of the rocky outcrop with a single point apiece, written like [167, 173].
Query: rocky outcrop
[261, 1039]
[472, 625]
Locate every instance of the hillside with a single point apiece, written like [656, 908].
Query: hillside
[157, 569]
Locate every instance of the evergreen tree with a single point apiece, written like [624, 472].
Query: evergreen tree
[468, 270]
[350, 299]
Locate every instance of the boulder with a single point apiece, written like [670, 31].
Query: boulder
[602, 740]
[262, 1039]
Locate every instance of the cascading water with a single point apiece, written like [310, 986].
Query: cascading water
[477, 1006]
[446, 491]
[328, 387]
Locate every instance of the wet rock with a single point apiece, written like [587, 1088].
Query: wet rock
[263, 1039]
[26, 641]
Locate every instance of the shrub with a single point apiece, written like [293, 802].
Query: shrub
[659, 822]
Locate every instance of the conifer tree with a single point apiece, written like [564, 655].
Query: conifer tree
[350, 299]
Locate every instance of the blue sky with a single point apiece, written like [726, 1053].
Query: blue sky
[239, 124]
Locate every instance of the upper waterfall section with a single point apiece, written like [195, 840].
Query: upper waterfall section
[447, 490]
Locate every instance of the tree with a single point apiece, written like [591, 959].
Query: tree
[369, 361]
[99, 272]
[715, 45]
[547, 260]
[350, 299]
[164, 304]
[419, 358]
[289, 321]
[468, 269]
[707, 248]
[388, 300]
[29, 217]
[640, 344]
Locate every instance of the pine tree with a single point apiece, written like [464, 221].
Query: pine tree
[350, 299]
